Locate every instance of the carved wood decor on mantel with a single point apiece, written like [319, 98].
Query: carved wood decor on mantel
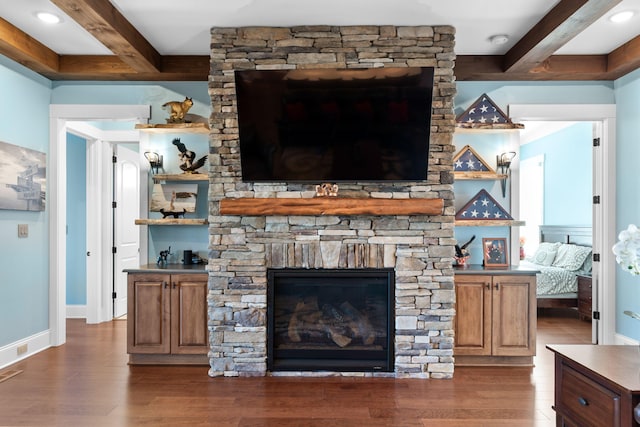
[330, 206]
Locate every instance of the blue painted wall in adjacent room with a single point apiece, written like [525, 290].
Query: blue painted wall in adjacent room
[76, 220]
[568, 174]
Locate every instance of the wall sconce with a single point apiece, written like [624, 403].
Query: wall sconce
[504, 162]
[155, 161]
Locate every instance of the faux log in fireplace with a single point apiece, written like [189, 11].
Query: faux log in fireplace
[326, 319]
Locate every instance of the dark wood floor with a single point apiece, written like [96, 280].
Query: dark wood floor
[87, 382]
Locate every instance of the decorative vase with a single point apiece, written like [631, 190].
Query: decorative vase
[461, 261]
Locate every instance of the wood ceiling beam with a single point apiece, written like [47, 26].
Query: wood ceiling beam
[625, 58]
[566, 20]
[112, 68]
[26, 50]
[113, 30]
[557, 67]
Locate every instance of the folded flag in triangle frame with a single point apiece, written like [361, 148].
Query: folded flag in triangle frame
[482, 207]
[467, 160]
[483, 111]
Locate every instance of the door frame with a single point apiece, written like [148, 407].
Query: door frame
[59, 118]
[604, 185]
[100, 146]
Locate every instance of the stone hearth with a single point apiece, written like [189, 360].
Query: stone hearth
[418, 247]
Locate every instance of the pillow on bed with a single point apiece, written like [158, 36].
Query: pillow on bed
[587, 265]
[571, 257]
[545, 254]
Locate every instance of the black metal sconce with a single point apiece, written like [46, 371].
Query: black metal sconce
[155, 161]
[504, 163]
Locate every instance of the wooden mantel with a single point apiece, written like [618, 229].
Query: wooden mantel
[330, 206]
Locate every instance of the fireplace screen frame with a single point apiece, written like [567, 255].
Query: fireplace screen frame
[345, 360]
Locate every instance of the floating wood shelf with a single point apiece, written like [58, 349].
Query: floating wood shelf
[488, 223]
[172, 221]
[180, 177]
[479, 175]
[486, 127]
[174, 127]
[330, 206]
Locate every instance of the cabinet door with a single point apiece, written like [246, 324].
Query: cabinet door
[514, 316]
[189, 332]
[473, 315]
[148, 314]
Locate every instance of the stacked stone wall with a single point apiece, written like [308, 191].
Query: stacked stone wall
[419, 248]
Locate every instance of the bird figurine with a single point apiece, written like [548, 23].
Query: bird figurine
[187, 158]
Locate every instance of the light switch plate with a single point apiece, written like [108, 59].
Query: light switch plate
[23, 230]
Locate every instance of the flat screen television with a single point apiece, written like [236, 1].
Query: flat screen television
[328, 125]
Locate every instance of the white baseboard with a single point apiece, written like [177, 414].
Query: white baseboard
[76, 311]
[27, 347]
[624, 340]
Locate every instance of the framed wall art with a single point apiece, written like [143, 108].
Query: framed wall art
[22, 178]
[495, 252]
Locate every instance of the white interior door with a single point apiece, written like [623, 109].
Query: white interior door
[126, 233]
[531, 201]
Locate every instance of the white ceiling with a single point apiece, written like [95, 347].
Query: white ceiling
[182, 27]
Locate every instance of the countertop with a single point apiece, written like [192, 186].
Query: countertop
[617, 363]
[495, 271]
[169, 268]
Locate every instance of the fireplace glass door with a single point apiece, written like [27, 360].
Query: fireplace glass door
[338, 320]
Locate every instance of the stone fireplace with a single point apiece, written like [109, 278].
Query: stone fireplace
[417, 247]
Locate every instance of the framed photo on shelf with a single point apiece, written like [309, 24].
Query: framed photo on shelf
[495, 252]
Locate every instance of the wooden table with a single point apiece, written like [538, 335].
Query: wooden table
[597, 385]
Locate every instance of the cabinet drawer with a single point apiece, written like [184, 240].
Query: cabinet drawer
[587, 402]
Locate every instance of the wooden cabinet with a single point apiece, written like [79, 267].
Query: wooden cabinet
[495, 319]
[596, 385]
[585, 293]
[167, 318]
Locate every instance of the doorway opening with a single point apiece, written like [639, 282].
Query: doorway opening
[603, 214]
[120, 170]
[99, 301]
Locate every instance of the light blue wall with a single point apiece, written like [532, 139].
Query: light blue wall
[135, 93]
[195, 238]
[507, 93]
[487, 146]
[24, 262]
[567, 174]
[627, 90]
[76, 220]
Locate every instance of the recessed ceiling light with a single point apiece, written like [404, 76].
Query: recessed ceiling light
[623, 16]
[499, 39]
[48, 17]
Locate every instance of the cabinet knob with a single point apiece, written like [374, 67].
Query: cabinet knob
[497, 286]
[488, 285]
[582, 401]
[174, 285]
[165, 285]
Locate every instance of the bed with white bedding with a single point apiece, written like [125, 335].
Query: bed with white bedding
[563, 254]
